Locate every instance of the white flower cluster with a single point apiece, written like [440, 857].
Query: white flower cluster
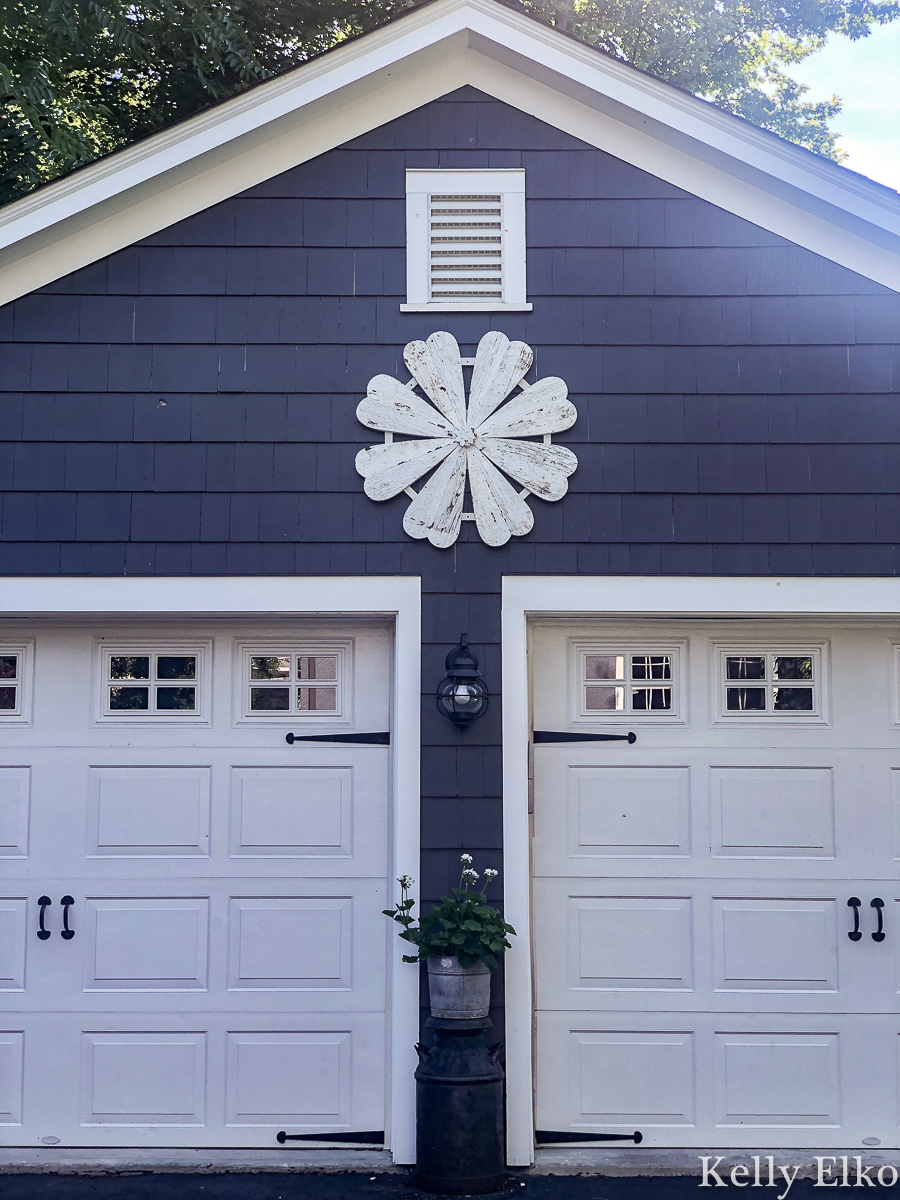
[471, 875]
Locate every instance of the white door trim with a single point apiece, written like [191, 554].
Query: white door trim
[392, 596]
[616, 595]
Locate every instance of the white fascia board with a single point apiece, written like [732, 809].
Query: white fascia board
[702, 595]
[415, 59]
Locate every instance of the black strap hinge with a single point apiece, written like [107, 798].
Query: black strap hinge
[544, 735]
[369, 1137]
[351, 739]
[546, 1137]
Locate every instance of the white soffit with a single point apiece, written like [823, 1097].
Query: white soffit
[416, 58]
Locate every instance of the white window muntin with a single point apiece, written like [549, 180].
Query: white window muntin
[781, 683]
[152, 682]
[465, 240]
[625, 680]
[15, 681]
[287, 681]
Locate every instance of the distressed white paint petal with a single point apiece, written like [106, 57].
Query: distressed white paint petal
[500, 511]
[499, 365]
[543, 408]
[437, 510]
[544, 470]
[388, 469]
[436, 368]
[389, 406]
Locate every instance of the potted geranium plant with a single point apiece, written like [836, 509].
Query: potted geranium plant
[461, 939]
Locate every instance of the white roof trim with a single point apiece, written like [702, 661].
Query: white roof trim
[418, 57]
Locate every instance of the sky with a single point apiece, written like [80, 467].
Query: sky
[866, 74]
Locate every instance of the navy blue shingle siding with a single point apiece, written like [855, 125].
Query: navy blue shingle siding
[187, 404]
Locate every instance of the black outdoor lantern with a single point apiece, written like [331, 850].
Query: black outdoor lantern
[462, 694]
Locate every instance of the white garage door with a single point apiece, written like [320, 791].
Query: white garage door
[694, 974]
[224, 973]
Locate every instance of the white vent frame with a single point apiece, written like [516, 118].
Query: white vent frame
[509, 184]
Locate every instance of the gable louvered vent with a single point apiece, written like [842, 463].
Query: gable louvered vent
[465, 240]
[466, 247]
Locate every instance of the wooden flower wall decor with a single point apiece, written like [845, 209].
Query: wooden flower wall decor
[467, 440]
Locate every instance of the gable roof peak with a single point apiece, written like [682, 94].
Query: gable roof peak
[428, 52]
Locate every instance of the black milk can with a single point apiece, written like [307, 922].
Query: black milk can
[459, 1111]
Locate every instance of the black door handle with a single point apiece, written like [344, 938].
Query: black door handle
[43, 933]
[854, 902]
[878, 905]
[66, 932]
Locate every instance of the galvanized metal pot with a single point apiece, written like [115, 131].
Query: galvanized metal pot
[458, 993]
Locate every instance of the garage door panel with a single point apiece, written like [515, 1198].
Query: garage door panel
[785, 945]
[148, 812]
[691, 889]
[617, 812]
[226, 976]
[772, 812]
[713, 946]
[13, 942]
[146, 943]
[15, 803]
[736, 1080]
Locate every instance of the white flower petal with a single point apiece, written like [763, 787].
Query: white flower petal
[500, 511]
[499, 365]
[436, 368]
[388, 469]
[391, 407]
[542, 408]
[437, 510]
[544, 470]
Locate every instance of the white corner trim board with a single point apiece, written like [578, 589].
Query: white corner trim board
[415, 59]
[632, 596]
[397, 597]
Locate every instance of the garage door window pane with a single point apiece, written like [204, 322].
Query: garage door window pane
[792, 667]
[8, 699]
[651, 699]
[605, 666]
[9, 666]
[605, 699]
[744, 667]
[651, 666]
[746, 699]
[318, 666]
[129, 699]
[129, 667]
[169, 666]
[262, 667]
[273, 699]
[316, 699]
[792, 699]
[176, 699]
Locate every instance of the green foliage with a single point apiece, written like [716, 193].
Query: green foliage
[732, 52]
[463, 924]
[79, 78]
